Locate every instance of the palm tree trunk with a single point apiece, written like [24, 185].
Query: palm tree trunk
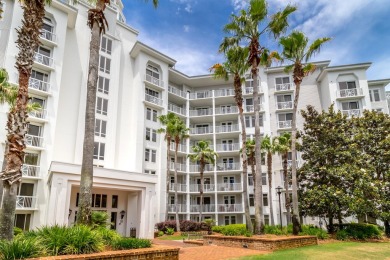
[286, 182]
[269, 167]
[167, 179]
[86, 181]
[202, 164]
[176, 196]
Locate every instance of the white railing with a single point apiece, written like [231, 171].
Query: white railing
[205, 208]
[284, 124]
[42, 59]
[180, 187]
[201, 112]
[26, 202]
[154, 100]
[226, 110]
[249, 90]
[200, 95]
[176, 91]
[48, 35]
[41, 113]
[229, 187]
[33, 140]
[180, 207]
[284, 87]
[196, 168]
[289, 163]
[206, 187]
[228, 147]
[250, 108]
[227, 128]
[353, 92]
[229, 208]
[176, 109]
[202, 130]
[181, 148]
[154, 81]
[39, 85]
[30, 170]
[224, 92]
[179, 166]
[284, 105]
[228, 166]
[352, 112]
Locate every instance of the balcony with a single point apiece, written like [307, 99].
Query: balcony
[205, 208]
[39, 85]
[284, 124]
[201, 95]
[154, 100]
[179, 166]
[230, 208]
[289, 163]
[196, 168]
[39, 114]
[250, 108]
[176, 109]
[227, 128]
[177, 92]
[154, 81]
[226, 110]
[228, 166]
[352, 112]
[224, 92]
[284, 87]
[30, 171]
[26, 202]
[180, 187]
[33, 140]
[49, 36]
[201, 112]
[201, 130]
[42, 59]
[229, 187]
[284, 105]
[346, 93]
[181, 148]
[206, 187]
[180, 207]
[249, 90]
[228, 147]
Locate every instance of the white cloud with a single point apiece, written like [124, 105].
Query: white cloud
[240, 4]
[186, 28]
[188, 8]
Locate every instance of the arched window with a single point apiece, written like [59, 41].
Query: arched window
[152, 71]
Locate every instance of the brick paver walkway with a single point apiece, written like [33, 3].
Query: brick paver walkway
[193, 252]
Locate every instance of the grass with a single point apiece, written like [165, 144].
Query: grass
[173, 237]
[338, 250]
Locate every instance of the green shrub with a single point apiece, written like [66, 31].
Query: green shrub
[82, 240]
[170, 231]
[17, 231]
[274, 230]
[160, 233]
[362, 231]
[342, 235]
[21, 248]
[217, 229]
[53, 238]
[234, 230]
[100, 219]
[131, 243]
[310, 230]
[109, 236]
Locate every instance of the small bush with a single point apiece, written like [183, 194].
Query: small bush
[170, 231]
[362, 231]
[17, 231]
[185, 226]
[217, 229]
[54, 238]
[131, 243]
[21, 248]
[160, 233]
[234, 230]
[211, 222]
[162, 226]
[310, 230]
[274, 230]
[342, 235]
[82, 240]
[100, 219]
[109, 236]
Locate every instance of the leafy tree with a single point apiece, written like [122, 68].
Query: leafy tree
[296, 50]
[268, 146]
[245, 28]
[203, 154]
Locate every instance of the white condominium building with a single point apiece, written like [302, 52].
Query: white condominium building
[136, 85]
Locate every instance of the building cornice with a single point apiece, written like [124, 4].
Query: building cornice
[279, 69]
[70, 10]
[383, 82]
[364, 66]
[141, 47]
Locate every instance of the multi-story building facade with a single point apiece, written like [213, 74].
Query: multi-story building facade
[136, 85]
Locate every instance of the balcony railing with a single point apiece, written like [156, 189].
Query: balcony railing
[154, 81]
[180, 167]
[154, 100]
[284, 124]
[250, 108]
[201, 112]
[200, 95]
[227, 128]
[229, 187]
[42, 59]
[353, 92]
[226, 110]
[228, 166]
[249, 90]
[30, 170]
[205, 208]
[34, 140]
[352, 112]
[229, 208]
[39, 85]
[196, 168]
[181, 148]
[202, 130]
[228, 147]
[180, 207]
[284, 105]
[177, 92]
[176, 109]
[206, 187]
[45, 34]
[284, 87]
[26, 202]
[180, 187]
[41, 114]
[224, 92]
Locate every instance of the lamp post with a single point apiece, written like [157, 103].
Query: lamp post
[279, 191]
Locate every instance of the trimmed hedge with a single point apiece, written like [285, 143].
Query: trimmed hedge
[231, 230]
[359, 231]
[185, 226]
[131, 243]
[310, 230]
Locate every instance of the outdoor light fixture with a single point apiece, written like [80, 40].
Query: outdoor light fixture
[279, 191]
[123, 213]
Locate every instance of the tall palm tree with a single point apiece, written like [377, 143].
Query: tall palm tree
[27, 43]
[296, 50]
[268, 147]
[236, 65]
[97, 23]
[203, 154]
[168, 121]
[245, 28]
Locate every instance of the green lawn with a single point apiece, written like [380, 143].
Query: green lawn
[331, 251]
[173, 237]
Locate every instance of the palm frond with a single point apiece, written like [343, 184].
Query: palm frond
[309, 68]
[315, 47]
[279, 21]
[267, 57]
[258, 10]
[288, 68]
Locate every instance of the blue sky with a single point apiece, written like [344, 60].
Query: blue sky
[190, 31]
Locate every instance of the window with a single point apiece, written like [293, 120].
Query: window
[374, 95]
[39, 76]
[44, 51]
[47, 29]
[151, 114]
[101, 106]
[34, 130]
[230, 220]
[264, 178]
[99, 200]
[150, 155]
[152, 172]
[22, 221]
[151, 135]
[103, 85]
[106, 45]
[347, 85]
[98, 151]
[152, 71]
[350, 105]
[282, 80]
[152, 93]
[265, 200]
[250, 121]
[251, 200]
[266, 219]
[285, 117]
[250, 180]
[114, 201]
[105, 64]
[31, 158]
[284, 98]
[100, 127]
[228, 200]
[172, 199]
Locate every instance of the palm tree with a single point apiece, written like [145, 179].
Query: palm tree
[168, 121]
[268, 147]
[97, 23]
[296, 50]
[203, 154]
[236, 65]
[245, 28]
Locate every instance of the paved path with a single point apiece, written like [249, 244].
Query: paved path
[193, 252]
